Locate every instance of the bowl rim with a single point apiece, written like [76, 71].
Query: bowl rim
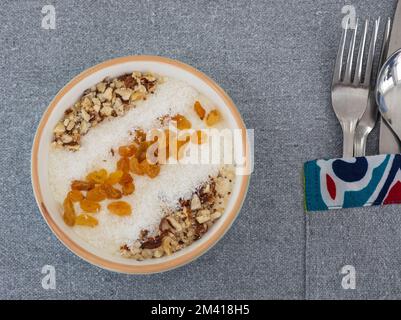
[92, 258]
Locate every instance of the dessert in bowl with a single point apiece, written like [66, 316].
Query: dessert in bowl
[114, 171]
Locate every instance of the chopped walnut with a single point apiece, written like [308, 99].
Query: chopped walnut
[109, 98]
[180, 228]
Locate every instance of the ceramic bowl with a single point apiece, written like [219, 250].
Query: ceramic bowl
[40, 151]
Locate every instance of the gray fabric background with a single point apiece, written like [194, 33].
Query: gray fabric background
[275, 59]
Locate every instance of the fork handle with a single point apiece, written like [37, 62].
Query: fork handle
[360, 145]
[348, 138]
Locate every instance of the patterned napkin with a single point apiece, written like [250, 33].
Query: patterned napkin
[353, 182]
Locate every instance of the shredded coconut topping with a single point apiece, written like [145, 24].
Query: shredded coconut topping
[151, 196]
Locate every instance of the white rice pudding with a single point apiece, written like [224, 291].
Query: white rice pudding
[175, 181]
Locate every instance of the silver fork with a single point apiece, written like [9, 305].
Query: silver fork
[349, 94]
[369, 118]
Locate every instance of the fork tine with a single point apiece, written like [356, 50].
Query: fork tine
[372, 49]
[339, 60]
[358, 68]
[348, 69]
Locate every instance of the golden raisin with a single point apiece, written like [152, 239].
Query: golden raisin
[127, 151]
[123, 164]
[69, 212]
[75, 195]
[128, 188]
[135, 166]
[97, 176]
[89, 206]
[120, 208]
[213, 117]
[158, 149]
[111, 192]
[126, 178]
[141, 151]
[199, 137]
[182, 122]
[114, 177]
[96, 194]
[86, 220]
[82, 185]
[141, 156]
[199, 110]
[151, 170]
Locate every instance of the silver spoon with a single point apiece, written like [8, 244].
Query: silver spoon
[388, 92]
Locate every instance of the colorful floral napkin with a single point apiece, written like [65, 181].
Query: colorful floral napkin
[354, 182]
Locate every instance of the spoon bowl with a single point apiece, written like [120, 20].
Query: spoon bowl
[388, 92]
